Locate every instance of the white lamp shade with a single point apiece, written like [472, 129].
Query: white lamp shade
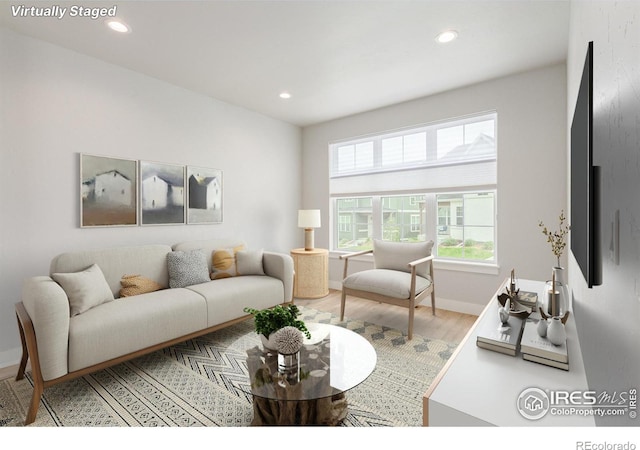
[309, 218]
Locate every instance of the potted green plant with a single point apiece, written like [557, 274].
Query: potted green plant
[267, 321]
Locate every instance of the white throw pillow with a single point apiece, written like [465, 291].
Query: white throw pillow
[84, 289]
[249, 262]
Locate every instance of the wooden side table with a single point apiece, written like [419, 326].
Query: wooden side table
[311, 272]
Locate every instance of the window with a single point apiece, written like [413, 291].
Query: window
[433, 182]
[356, 216]
[471, 236]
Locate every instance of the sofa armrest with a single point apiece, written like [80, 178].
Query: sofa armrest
[280, 265]
[48, 307]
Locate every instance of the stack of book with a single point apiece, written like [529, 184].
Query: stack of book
[541, 350]
[499, 337]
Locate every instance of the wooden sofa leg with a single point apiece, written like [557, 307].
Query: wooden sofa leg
[343, 300]
[35, 403]
[25, 353]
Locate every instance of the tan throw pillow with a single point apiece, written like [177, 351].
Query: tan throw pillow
[85, 289]
[136, 285]
[223, 262]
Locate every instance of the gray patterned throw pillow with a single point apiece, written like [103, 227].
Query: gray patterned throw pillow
[187, 268]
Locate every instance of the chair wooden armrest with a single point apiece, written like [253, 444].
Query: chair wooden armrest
[346, 257]
[420, 261]
[351, 255]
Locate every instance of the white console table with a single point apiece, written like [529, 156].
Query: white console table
[479, 387]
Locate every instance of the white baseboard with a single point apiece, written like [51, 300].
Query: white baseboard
[10, 357]
[441, 303]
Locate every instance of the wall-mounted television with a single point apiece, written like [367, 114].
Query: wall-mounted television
[585, 182]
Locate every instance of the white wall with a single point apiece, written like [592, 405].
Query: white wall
[608, 316]
[57, 103]
[531, 172]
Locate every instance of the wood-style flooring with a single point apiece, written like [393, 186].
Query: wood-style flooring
[445, 325]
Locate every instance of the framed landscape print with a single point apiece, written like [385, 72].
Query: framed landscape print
[108, 191]
[204, 195]
[162, 193]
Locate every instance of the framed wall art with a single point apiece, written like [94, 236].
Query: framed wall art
[204, 195]
[108, 191]
[162, 193]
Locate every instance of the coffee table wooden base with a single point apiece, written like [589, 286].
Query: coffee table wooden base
[329, 411]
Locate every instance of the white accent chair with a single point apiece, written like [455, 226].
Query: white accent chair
[402, 276]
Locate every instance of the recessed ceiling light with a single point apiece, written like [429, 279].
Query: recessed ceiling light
[285, 95]
[446, 36]
[118, 25]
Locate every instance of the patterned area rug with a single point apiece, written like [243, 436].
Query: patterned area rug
[198, 383]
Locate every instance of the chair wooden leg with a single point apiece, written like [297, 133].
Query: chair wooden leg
[342, 304]
[412, 310]
[433, 302]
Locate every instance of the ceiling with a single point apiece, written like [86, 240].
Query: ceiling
[336, 58]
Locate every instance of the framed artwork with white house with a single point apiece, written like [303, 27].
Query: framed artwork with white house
[162, 193]
[204, 195]
[108, 191]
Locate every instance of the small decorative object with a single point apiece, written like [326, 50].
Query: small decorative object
[542, 327]
[544, 315]
[555, 299]
[556, 332]
[503, 312]
[557, 238]
[509, 305]
[288, 340]
[512, 290]
[268, 321]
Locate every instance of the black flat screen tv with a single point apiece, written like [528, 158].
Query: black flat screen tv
[585, 182]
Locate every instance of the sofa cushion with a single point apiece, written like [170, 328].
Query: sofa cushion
[392, 283]
[249, 262]
[130, 324]
[187, 268]
[397, 255]
[84, 289]
[136, 285]
[226, 298]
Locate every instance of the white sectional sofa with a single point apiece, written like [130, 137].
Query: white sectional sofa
[67, 333]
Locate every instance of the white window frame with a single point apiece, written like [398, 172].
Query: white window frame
[475, 165]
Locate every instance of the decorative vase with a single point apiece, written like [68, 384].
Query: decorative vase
[562, 294]
[542, 327]
[556, 333]
[268, 343]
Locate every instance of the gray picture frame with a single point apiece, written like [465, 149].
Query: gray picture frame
[162, 193]
[108, 191]
[204, 195]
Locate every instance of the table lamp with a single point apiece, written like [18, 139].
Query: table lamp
[308, 219]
